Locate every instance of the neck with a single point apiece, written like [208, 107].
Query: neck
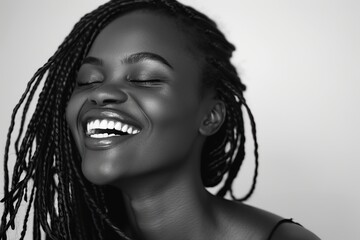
[171, 205]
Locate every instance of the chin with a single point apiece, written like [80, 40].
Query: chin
[96, 177]
[100, 174]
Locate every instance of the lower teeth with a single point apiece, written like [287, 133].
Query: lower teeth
[102, 135]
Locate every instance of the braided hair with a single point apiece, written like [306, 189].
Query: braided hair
[66, 205]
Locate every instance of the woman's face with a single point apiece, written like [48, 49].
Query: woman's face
[140, 78]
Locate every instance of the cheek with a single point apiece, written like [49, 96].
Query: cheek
[174, 124]
[170, 108]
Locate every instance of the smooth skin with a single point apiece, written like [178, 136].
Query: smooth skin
[158, 170]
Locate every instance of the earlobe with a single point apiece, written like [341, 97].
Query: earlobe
[213, 119]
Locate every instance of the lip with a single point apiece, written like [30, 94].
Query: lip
[105, 143]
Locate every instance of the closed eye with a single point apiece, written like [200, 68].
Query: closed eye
[88, 76]
[83, 84]
[147, 83]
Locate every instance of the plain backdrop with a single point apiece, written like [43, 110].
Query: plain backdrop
[301, 63]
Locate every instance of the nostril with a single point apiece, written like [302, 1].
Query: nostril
[102, 97]
[102, 102]
[109, 101]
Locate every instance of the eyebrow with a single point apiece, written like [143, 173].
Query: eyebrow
[93, 61]
[131, 59]
[143, 56]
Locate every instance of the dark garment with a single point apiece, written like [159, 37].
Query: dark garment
[279, 223]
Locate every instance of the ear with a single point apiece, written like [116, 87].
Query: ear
[213, 119]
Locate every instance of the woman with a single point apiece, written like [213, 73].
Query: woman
[141, 108]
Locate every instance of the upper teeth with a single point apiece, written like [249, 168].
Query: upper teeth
[110, 124]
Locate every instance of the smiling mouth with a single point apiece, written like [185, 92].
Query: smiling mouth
[105, 128]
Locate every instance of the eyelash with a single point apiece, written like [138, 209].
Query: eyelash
[78, 84]
[82, 84]
[145, 82]
[150, 82]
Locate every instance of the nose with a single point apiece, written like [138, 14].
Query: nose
[107, 94]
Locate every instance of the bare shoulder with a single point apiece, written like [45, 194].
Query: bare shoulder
[243, 221]
[249, 222]
[290, 231]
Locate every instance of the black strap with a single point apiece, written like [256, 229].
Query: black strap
[279, 223]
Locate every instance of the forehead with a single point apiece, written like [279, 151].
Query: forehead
[147, 31]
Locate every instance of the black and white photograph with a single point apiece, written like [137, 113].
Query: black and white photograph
[180, 120]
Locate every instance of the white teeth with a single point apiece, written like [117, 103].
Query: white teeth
[96, 124]
[124, 128]
[111, 125]
[117, 126]
[135, 131]
[102, 135]
[103, 124]
[99, 135]
[91, 126]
